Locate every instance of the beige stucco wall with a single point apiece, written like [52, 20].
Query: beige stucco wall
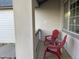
[48, 16]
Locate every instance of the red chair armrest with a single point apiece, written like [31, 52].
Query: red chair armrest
[48, 37]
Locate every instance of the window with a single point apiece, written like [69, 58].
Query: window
[7, 30]
[71, 17]
[74, 17]
[65, 22]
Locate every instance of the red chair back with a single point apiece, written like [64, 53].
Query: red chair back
[55, 34]
[63, 42]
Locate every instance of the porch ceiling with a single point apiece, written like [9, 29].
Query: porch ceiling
[40, 2]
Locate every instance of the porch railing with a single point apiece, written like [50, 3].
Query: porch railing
[39, 35]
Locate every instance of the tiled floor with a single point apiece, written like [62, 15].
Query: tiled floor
[40, 52]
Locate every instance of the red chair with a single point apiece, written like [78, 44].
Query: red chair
[56, 49]
[52, 38]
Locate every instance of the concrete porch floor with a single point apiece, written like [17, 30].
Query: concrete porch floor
[40, 52]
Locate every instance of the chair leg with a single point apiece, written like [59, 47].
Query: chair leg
[45, 53]
[58, 56]
[44, 42]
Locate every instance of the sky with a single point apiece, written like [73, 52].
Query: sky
[5, 2]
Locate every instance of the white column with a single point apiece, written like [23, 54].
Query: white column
[24, 28]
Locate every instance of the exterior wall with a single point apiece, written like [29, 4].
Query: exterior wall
[7, 30]
[48, 16]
